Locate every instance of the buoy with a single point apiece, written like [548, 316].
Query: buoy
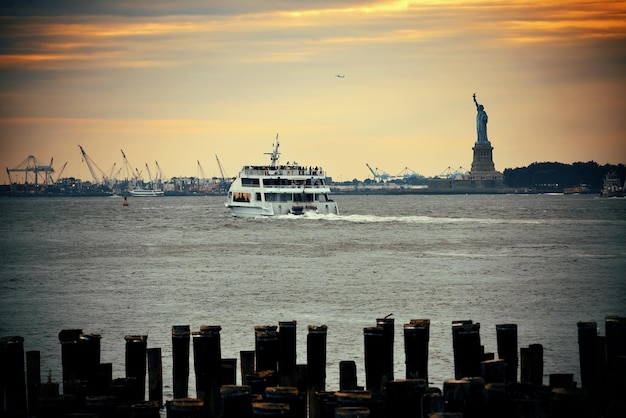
[125, 201]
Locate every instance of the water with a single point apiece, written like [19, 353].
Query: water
[543, 262]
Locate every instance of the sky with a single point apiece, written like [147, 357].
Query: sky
[179, 83]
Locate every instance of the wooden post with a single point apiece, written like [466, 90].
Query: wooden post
[316, 365]
[347, 375]
[388, 325]
[266, 347]
[374, 342]
[467, 349]
[506, 336]
[236, 401]
[180, 352]
[136, 359]
[416, 339]
[33, 380]
[13, 378]
[587, 333]
[403, 398]
[493, 371]
[207, 357]
[532, 364]
[247, 365]
[287, 353]
[229, 371]
[155, 376]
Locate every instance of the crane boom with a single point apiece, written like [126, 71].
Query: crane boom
[92, 166]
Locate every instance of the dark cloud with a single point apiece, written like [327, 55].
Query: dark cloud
[21, 8]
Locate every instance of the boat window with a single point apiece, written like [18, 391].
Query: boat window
[258, 197]
[241, 197]
[249, 182]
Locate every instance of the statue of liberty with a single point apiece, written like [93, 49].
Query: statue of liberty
[481, 122]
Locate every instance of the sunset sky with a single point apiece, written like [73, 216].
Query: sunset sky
[180, 81]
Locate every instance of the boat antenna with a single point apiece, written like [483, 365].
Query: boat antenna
[274, 154]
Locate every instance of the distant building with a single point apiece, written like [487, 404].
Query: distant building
[483, 177]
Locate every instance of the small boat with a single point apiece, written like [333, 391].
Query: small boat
[612, 186]
[276, 189]
[146, 193]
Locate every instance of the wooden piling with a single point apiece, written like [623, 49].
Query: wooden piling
[184, 408]
[247, 364]
[13, 383]
[532, 364]
[352, 412]
[587, 333]
[287, 353]
[80, 358]
[316, 365]
[155, 375]
[416, 339]
[33, 380]
[207, 357]
[136, 364]
[347, 375]
[236, 401]
[506, 337]
[229, 371]
[374, 341]
[403, 398]
[180, 352]
[388, 325]
[266, 347]
[467, 349]
[493, 371]
[290, 396]
[269, 410]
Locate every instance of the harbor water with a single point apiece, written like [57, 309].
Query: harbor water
[543, 262]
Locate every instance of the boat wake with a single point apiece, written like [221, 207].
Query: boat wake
[411, 219]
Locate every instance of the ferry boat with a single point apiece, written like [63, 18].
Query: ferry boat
[612, 186]
[277, 189]
[146, 193]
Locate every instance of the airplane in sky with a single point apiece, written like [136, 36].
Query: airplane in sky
[340, 75]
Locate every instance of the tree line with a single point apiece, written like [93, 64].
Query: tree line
[559, 175]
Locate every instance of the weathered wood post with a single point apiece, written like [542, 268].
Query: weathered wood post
[288, 395]
[207, 355]
[236, 401]
[247, 365]
[388, 325]
[374, 342]
[266, 347]
[467, 349]
[180, 353]
[229, 371]
[287, 353]
[155, 375]
[13, 380]
[532, 364]
[136, 359]
[80, 358]
[506, 336]
[493, 371]
[403, 398]
[616, 351]
[184, 408]
[316, 365]
[416, 339]
[587, 333]
[33, 380]
[347, 375]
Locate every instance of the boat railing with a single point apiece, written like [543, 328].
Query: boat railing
[283, 171]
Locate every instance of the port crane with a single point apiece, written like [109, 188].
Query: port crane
[378, 174]
[450, 173]
[31, 165]
[407, 174]
[98, 177]
[224, 184]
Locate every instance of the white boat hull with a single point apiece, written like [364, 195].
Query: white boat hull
[251, 210]
[146, 193]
